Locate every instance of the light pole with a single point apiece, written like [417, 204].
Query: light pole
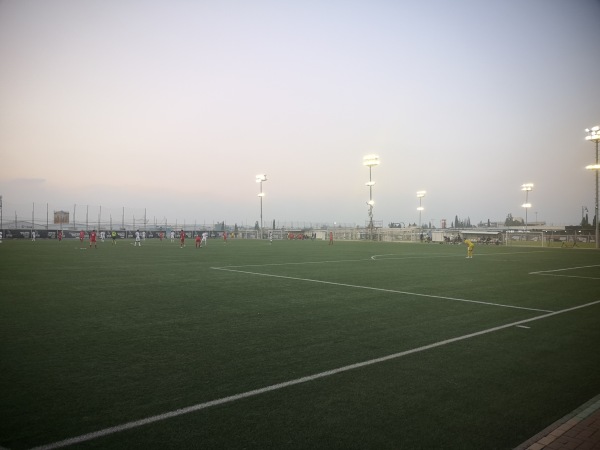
[259, 179]
[370, 161]
[594, 136]
[526, 187]
[420, 195]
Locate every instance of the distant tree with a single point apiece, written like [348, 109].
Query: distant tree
[585, 221]
[512, 222]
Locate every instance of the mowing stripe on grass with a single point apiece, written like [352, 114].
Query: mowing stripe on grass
[274, 387]
[226, 269]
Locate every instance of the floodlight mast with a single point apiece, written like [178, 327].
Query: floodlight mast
[370, 161]
[594, 136]
[526, 187]
[259, 179]
[420, 195]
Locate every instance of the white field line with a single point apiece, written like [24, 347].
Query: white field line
[275, 387]
[414, 256]
[374, 258]
[549, 272]
[226, 269]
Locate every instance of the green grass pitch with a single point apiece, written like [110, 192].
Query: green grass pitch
[483, 352]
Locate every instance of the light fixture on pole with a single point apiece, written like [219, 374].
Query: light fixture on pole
[259, 179]
[594, 136]
[526, 187]
[370, 161]
[420, 195]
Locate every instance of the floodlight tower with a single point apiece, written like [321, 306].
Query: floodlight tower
[594, 136]
[420, 195]
[526, 187]
[259, 179]
[370, 161]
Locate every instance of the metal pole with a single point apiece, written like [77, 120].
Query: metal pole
[370, 205]
[261, 211]
[597, 170]
[526, 208]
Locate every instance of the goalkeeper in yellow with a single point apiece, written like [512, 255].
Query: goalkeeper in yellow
[470, 247]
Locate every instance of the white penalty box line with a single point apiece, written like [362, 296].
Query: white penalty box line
[394, 291]
[553, 273]
[275, 387]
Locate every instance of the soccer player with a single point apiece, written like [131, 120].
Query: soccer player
[33, 236]
[204, 238]
[470, 247]
[182, 239]
[137, 239]
[225, 236]
[161, 235]
[270, 236]
[81, 236]
[113, 235]
[198, 242]
[330, 238]
[93, 239]
[102, 236]
[60, 235]
[172, 236]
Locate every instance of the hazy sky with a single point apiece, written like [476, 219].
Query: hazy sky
[175, 106]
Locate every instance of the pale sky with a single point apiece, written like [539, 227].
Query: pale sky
[175, 106]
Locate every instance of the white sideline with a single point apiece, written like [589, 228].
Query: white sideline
[274, 387]
[226, 269]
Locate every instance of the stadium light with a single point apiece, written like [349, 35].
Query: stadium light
[594, 136]
[420, 195]
[526, 187]
[370, 161]
[259, 179]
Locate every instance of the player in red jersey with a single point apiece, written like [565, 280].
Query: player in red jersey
[198, 241]
[182, 239]
[81, 236]
[93, 239]
[59, 235]
[225, 236]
